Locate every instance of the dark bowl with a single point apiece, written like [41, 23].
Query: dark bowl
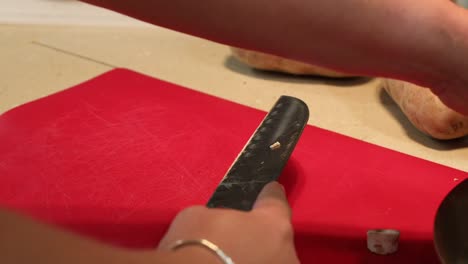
[451, 226]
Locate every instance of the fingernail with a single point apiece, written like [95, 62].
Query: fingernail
[282, 187]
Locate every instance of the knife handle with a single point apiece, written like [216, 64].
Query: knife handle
[263, 157]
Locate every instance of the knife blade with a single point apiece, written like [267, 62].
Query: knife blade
[263, 157]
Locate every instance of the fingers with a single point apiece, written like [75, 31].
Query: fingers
[273, 199]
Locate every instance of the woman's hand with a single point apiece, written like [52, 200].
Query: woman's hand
[263, 235]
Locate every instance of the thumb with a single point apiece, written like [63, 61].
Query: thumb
[273, 199]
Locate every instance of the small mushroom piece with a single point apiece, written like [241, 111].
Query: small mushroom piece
[383, 241]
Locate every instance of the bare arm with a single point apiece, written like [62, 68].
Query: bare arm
[423, 42]
[25, 241]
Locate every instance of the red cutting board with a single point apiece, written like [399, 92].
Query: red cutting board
[115, 158]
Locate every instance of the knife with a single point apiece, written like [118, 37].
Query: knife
[263, 157]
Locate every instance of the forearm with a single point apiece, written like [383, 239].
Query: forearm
[358, 36]
[25, 241]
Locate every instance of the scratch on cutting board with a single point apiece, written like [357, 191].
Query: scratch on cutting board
[125, 214]
[184, 179]
[132, 207]
[92, 110]
[176, 136]
[65, 197]
[73, 54]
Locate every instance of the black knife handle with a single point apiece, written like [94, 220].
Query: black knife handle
[264, 157]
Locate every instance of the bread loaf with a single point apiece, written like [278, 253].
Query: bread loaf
[263, 61]
[425, 110]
